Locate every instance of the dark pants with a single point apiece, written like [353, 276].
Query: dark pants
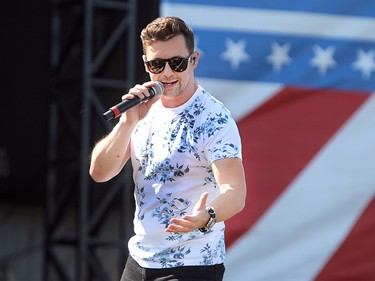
[134, 272]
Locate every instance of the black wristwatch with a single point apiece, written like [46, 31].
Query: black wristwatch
[211, 222]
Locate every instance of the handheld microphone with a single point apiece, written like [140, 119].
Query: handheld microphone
[117, 110]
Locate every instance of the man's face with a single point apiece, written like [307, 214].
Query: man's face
[175, 83]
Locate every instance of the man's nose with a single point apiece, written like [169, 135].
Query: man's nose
[167, 69]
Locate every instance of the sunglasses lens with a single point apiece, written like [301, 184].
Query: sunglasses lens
[178, 64]
[156, 66]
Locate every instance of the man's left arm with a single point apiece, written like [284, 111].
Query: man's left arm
[230, 176]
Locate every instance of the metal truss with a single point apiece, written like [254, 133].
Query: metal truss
[94, 50]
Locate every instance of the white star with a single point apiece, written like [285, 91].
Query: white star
[365, 62]
[323, 59]
[279, 56]
[235, 53]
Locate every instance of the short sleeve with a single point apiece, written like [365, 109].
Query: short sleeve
[221, 136]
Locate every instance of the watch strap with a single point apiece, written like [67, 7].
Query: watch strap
[211, 222]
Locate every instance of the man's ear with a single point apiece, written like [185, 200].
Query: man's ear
[195, 58]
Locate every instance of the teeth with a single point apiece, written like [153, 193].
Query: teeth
[168, 83]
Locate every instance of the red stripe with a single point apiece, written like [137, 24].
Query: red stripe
[115, 111]
[355, 259]
[280, 138]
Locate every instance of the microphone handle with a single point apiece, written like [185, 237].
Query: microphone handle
[117, 110]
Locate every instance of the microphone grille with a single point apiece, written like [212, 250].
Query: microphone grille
[159, 88]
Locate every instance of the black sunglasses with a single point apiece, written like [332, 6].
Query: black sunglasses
[178, 64]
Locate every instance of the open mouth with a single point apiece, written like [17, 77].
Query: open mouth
[168, 84]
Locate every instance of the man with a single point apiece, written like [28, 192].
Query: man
[186, 155]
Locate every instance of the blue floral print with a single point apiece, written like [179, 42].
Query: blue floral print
[172, 161]
[170, 208]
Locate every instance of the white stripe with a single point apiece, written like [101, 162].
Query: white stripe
[240, 97]
[272, 21]
[300, 232]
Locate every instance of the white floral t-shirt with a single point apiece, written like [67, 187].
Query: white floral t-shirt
[172, 150]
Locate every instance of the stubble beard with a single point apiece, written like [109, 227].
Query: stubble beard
[175, 92]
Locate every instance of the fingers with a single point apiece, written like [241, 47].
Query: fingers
[137, 113]
[202, 201]
[140, 91]
[191, 222]
[180, 225]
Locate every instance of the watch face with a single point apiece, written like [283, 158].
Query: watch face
[212, 220]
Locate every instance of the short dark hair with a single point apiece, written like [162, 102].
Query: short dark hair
[165, 28]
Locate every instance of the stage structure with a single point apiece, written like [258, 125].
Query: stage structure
[95, 58]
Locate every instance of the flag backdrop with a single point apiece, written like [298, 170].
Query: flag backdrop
[299, 78]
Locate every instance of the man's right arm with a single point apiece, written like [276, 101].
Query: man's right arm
[111, 153]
